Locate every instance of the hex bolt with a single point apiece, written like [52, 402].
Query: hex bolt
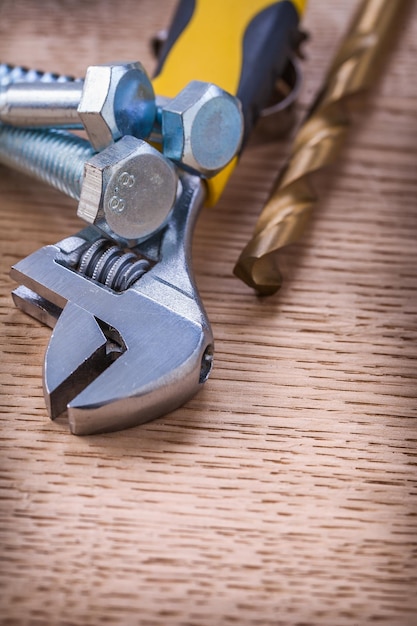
[113, 100]
[202, 127]
[127, 190]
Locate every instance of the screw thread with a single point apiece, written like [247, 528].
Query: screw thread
[53, 156]
[10, 74]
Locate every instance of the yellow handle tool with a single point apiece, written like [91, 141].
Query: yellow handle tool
[243, 46]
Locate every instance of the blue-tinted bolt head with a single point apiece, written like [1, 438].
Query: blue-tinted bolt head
[117, 100]
[202, 128]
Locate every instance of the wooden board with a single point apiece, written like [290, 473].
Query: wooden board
[285, 492]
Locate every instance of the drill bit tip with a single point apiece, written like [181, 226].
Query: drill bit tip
[259, 272]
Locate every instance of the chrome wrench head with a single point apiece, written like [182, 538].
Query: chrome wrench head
[128, 345]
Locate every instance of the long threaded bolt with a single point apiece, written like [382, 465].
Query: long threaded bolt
[54, 156]
[183, 124]
[127, 190]
[13, 75]
[43, 105]
[113, 100]
[35, 99]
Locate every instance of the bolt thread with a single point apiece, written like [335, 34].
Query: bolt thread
[53, 156]
[10, 74]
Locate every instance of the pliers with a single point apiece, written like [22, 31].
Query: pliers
[131, 339]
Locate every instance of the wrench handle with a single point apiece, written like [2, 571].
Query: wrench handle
[242, 46]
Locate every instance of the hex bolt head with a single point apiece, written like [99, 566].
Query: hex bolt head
[116, 100]
[202, 127]
[128, 190]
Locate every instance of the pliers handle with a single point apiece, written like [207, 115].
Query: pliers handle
[243, 46]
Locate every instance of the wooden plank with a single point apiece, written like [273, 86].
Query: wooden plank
[285, 492]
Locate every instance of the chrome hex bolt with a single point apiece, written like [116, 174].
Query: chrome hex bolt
[202, 127]
[113, 100]
[127, 190]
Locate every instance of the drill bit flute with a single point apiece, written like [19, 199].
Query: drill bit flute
[316, 145]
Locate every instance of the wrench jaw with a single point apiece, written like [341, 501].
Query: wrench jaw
[78, 352]
[111, 380]
[120, 358]
[129, 393]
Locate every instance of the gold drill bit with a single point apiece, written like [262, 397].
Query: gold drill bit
[316, 144]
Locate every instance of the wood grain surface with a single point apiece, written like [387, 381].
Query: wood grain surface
[285, 492]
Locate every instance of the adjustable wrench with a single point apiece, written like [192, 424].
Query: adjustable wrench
[120, 355]
[131, 340]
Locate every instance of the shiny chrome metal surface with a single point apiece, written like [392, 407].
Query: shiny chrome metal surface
[127, 190]
[49, 104]
[113, 100]
[202, 127]
[118, 359]
[117, 100]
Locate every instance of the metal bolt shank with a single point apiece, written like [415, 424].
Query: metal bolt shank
[55, 156]
[128, 190]
[114, 100]
[202, 127]
[41, 104]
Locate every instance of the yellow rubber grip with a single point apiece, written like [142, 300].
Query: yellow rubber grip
[214, 46]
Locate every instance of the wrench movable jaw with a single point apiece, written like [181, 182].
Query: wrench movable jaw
[133, 390]
[110, 380]
[120, 356]
[78, 352]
